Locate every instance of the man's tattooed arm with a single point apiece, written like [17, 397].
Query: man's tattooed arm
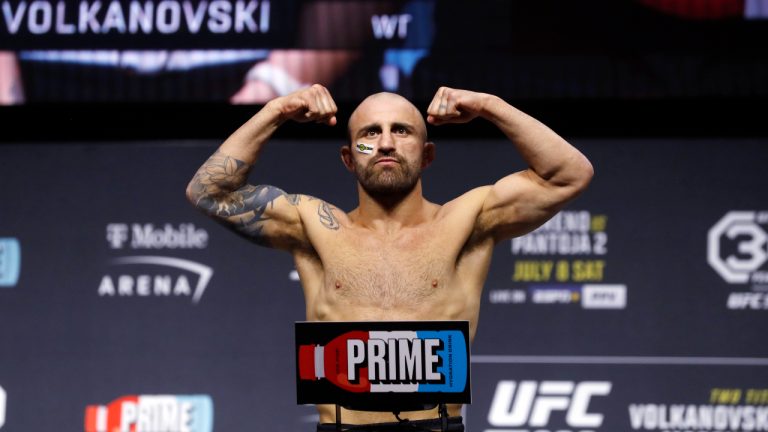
[219, 189]
[213, 183]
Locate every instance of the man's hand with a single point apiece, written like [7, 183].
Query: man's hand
[309, 104]
[456, 106]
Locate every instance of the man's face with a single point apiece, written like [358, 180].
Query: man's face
[394, 129]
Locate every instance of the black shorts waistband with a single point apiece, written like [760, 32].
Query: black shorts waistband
[454, 424]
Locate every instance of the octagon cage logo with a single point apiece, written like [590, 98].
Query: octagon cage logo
[737, 247]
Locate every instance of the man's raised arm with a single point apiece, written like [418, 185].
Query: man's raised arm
[518, 203]
[263, 213]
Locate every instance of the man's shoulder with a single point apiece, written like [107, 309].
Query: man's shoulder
[462, 212]
[317, 211]
[465, 215]
[470, 201]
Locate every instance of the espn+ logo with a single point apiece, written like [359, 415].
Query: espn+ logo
[531, 404]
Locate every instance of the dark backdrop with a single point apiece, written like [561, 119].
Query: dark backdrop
[81, 327]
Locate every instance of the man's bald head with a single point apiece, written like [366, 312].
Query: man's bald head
[372, 108]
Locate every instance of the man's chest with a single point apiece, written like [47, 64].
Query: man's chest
[408, 267]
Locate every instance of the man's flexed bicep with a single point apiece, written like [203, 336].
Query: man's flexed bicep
[557, 173]
[521, 201]
[264, 214]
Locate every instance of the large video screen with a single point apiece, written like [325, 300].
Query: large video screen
[249, 51]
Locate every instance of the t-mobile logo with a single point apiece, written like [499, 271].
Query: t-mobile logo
[530, 404]
[117, 235]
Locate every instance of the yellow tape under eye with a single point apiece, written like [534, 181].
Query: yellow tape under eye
[364, 148]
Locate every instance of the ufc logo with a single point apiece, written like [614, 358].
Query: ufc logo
[531, 404]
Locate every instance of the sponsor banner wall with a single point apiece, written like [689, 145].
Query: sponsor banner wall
[625, 394]
[641, 306]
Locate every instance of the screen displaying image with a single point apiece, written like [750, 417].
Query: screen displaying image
[249, 51]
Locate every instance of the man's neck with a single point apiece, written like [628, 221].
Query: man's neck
[390, 213]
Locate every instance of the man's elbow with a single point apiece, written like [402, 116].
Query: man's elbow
[586, 172]
[583, 172]
[190, 193]
[194, 194]
[576, 179]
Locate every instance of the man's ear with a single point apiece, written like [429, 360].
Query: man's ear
[428, 154]
[346, 158]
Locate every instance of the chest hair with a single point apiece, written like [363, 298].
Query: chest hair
[390, 272]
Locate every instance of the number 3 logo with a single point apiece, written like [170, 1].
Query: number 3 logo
[753, 250]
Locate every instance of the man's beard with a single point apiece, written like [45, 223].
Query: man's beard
[397, 180]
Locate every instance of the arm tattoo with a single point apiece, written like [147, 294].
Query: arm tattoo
[326, 216]
[255, 201]
[219, 176]
[219, 189]
[293, 199]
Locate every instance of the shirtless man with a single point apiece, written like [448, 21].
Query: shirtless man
[429, 260]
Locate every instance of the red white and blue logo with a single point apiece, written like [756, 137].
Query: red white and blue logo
[152, 413]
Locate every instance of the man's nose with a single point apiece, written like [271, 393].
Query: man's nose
[386, 143]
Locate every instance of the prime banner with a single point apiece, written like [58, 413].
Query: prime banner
[641, 306]
[384, 365]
